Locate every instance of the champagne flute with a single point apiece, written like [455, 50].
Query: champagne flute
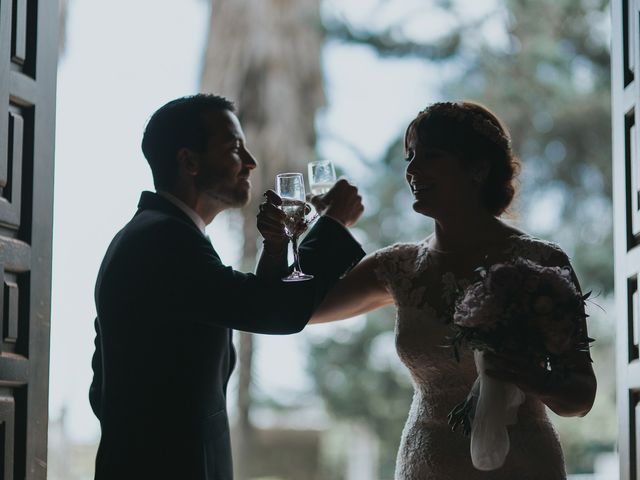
[290, 187]
[322, 176]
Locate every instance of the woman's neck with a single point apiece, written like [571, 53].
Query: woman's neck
[460, 234]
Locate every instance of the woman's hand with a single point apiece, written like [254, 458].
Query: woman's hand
[570, 394]
[532, 379]
[342, 203]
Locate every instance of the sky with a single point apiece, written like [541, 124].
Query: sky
[123, 60]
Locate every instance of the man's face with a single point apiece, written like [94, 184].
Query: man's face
[226, 163]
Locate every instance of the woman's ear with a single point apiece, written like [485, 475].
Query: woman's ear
[188, 161]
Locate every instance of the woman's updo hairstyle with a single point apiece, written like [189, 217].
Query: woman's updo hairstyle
[472, 132]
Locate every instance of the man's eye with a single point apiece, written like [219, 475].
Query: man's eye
[408, 156]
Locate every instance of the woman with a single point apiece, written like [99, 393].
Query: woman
[461, 171]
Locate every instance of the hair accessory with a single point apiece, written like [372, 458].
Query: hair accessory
[478, 122]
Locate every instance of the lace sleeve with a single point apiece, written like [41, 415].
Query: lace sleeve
[542, 252]
[394, 265]
[545, 253]
[556, 257]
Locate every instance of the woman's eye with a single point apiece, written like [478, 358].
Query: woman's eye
[408, 156]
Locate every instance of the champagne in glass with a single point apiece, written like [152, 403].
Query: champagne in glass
[294, 211]
[290, 187]
[322, 176]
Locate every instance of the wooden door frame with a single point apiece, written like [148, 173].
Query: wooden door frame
[625, 96]
[28, 70]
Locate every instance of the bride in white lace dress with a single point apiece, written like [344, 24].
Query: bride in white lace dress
[461, 171]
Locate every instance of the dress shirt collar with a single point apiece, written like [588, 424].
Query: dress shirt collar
[190, 212]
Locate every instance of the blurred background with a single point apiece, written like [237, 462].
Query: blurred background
[334, 79]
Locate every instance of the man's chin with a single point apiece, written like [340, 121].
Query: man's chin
[236, 199]
[244, 197]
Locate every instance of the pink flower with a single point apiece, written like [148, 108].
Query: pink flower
[503, 278]
[543, 305]
[477, 309]
[522, 306]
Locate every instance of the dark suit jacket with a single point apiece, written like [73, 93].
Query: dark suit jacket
[166, 305]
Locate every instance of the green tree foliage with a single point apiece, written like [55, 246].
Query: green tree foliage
[548, 79]
[358, 385]
[543, 67]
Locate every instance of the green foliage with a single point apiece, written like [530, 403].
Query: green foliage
[549, 82]
[357, 385]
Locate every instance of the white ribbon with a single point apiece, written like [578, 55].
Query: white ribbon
[496, 408]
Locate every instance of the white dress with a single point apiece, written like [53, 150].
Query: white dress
[428, 448]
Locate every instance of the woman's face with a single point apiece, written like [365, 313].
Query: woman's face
[441, 184]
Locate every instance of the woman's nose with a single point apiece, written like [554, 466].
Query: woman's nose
[411, 168]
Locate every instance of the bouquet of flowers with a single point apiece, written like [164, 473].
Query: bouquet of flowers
[518, 307]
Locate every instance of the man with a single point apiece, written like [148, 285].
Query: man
[167, 304]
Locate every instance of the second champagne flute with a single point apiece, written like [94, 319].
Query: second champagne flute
[322, 176]
[290, 187]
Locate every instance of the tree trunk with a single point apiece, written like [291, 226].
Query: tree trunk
[265, 55]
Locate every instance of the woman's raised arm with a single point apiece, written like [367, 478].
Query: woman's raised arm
[360, 291]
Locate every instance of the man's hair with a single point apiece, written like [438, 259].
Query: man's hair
[178, 124]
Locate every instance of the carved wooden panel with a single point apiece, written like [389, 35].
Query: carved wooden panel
[625, 65]
[28, 51]
[632, 317]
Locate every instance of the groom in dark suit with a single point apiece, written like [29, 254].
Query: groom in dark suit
[167, 304]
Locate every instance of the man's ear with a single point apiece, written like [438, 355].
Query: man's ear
[189, 161]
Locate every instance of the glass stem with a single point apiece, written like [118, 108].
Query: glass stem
[296, 258]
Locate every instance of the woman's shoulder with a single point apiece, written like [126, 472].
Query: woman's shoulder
[539, 250]
[402, 257]
[400, 250]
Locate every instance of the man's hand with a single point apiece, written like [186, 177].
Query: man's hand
[271, 223]
[342, 203]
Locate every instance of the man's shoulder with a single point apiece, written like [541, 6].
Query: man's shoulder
[157, 224]
[148, 233]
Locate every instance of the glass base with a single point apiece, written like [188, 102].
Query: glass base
[297, 277]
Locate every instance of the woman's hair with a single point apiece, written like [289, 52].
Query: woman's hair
[472, 132]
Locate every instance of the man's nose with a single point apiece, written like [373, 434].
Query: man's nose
[249, 161]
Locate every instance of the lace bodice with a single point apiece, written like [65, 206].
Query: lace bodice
[424, 295]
